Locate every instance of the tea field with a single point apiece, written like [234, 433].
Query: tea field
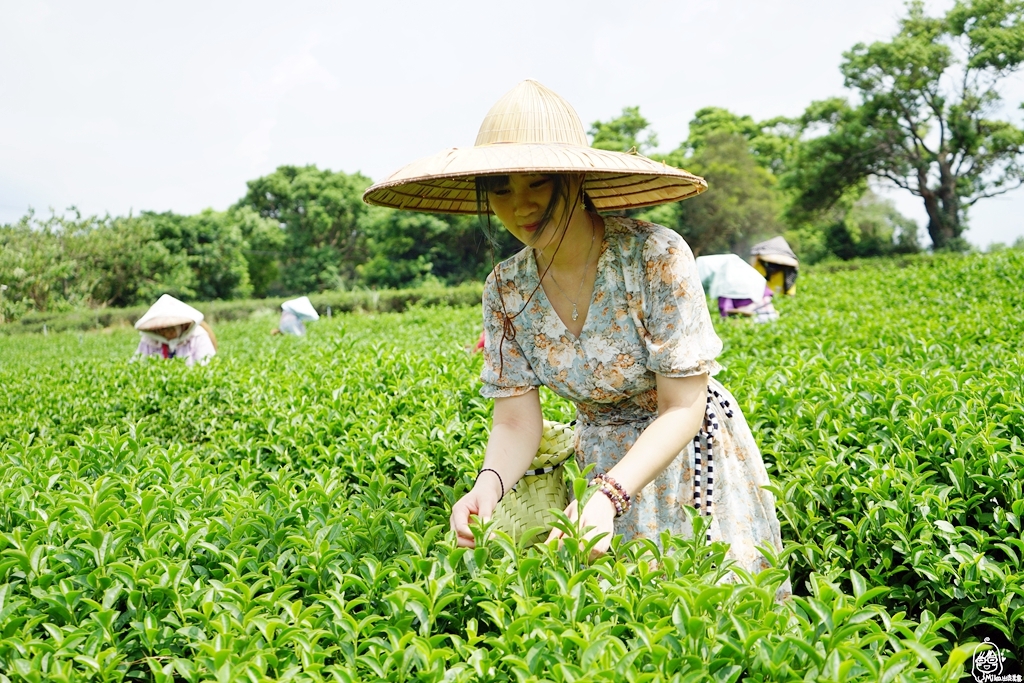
[281, 514]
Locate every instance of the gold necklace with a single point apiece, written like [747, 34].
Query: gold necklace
[586, 265]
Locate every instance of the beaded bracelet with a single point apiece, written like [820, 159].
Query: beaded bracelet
[614, 492]
[618, 487]
[615, 500]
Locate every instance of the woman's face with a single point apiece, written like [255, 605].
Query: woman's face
[520, 204]
[169, 333]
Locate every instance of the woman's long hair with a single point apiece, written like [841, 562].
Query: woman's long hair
[560, 196]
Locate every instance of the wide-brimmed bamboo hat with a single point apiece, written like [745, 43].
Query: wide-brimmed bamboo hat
[532, 130]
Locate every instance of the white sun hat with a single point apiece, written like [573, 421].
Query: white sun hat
[728, 276]
[532, 130]
[302, 308]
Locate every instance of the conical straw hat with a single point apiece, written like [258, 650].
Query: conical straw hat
[775, 250]
[532, 114]
[167, 312]
[532, 130]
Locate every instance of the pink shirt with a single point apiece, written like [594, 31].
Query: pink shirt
[198, 348]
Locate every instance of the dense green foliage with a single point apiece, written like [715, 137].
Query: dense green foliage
[891, 401]
[282, 512]
[743, 208]
[63, 262]
[622, 134]
[872, 227]
[319, 212]
[297, 231]
[755, 172]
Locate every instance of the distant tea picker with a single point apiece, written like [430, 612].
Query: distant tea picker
[738, 287]
[294, 314]
[775, 260]
[173, 329]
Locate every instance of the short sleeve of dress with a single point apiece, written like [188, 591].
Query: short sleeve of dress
[508, 372]
[681, 339]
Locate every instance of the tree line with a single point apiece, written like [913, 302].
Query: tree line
[298, 230]
[923, 116]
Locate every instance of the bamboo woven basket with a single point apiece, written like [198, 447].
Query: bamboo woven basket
[529, 504]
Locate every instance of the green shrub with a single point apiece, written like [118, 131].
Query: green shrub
[281, 513]
[888, 402]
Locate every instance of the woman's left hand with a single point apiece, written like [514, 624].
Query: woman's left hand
[599, 513]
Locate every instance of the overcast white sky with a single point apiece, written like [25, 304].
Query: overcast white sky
[119, 106]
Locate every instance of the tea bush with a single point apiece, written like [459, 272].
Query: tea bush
[890, 403]
[281, 514]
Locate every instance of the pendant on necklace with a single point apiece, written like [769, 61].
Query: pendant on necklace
[575, 313]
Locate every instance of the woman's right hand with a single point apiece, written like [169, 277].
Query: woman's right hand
[479, 502]
[516, 429]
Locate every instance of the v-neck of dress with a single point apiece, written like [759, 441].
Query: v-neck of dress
[551, 309]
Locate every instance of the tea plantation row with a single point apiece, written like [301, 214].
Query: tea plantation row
[281, 514]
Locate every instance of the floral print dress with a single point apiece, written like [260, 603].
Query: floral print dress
[648, 315]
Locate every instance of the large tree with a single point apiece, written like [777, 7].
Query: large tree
[214, 248]
[401, 246]
[769, 142]
[124, 262]
[320, 211]
[622, 133]
[734, 153]
[264, 239]
[926, 117]
[740, 206]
